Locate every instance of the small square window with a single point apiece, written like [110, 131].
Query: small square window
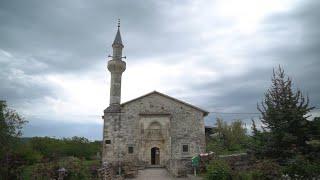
[108, 141]
[130, 149]
[185, 148]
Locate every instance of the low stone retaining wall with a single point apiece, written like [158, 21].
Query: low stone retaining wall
[239, 161]
[180, 167]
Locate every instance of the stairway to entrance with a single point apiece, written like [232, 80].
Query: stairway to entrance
[159, 174]
[154, 174]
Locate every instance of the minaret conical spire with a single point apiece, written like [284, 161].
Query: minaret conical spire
[117, 39]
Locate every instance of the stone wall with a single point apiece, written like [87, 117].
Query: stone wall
[181, 167]
[239, 161]
[186, 123]
[185, 126]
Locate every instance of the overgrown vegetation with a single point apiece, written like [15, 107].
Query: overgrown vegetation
[218, 170]
[75, 169]
[11, 124]
[228, 138]
[287, 136]
[41, 156]
[76, 146]
[286, 146]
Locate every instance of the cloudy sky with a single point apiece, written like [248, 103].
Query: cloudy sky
[217, 55]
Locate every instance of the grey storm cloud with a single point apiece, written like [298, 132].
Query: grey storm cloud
[76, 34]
[294, 45]
[18, 87]
[64, 35]
[300, 52]
[39, 38]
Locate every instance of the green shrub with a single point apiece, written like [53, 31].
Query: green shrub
[246, 175]
[75, 169]
[29, 155]
[261, 170]
[218, 170]
[302, 168]
[266, 169]
[216, 146]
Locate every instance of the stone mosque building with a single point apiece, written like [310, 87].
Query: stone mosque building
[153, 130]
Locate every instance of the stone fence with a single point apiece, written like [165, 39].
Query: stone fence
[240, 161]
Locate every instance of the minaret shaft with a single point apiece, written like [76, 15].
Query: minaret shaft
[115, 88]
[116, 67]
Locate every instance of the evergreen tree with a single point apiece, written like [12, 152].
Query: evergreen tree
[254, 129]
[284, 116]
[259, 141]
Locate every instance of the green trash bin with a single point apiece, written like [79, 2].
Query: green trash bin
[195, 163]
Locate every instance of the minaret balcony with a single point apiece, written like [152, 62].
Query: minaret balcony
[116, 66]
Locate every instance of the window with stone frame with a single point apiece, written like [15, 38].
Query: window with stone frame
[130, 149]
[108, 141]
[185, 148]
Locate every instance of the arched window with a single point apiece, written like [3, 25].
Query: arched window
[155, 125]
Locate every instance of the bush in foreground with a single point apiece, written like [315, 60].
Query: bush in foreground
[302, 168]
[218, 170]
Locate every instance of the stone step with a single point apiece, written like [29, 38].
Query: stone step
[140, 167]
[155, 166]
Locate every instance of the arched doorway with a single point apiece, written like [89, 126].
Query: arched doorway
[155, 156]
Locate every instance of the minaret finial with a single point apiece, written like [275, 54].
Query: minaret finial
[118, 23]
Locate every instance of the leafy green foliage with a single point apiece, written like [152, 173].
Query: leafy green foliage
[266, 169]
[49, 154]
[18, 153]
[218, 170]
[76, 146]
[262, 170]
[302, 168]
[228, 138]
[11, 124]
[75, 169]
[27, 153]
[246, 175]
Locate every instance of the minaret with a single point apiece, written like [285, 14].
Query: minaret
[112, 131]
[116, 67]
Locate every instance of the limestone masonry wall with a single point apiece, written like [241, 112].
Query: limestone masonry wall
[179, 125]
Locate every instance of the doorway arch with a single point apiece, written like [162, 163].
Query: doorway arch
[155, 156]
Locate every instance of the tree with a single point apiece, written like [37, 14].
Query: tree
[314, 139]
[314, 128]
[284, 114]
[259, 141]
[228, 137]
[11, 124]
